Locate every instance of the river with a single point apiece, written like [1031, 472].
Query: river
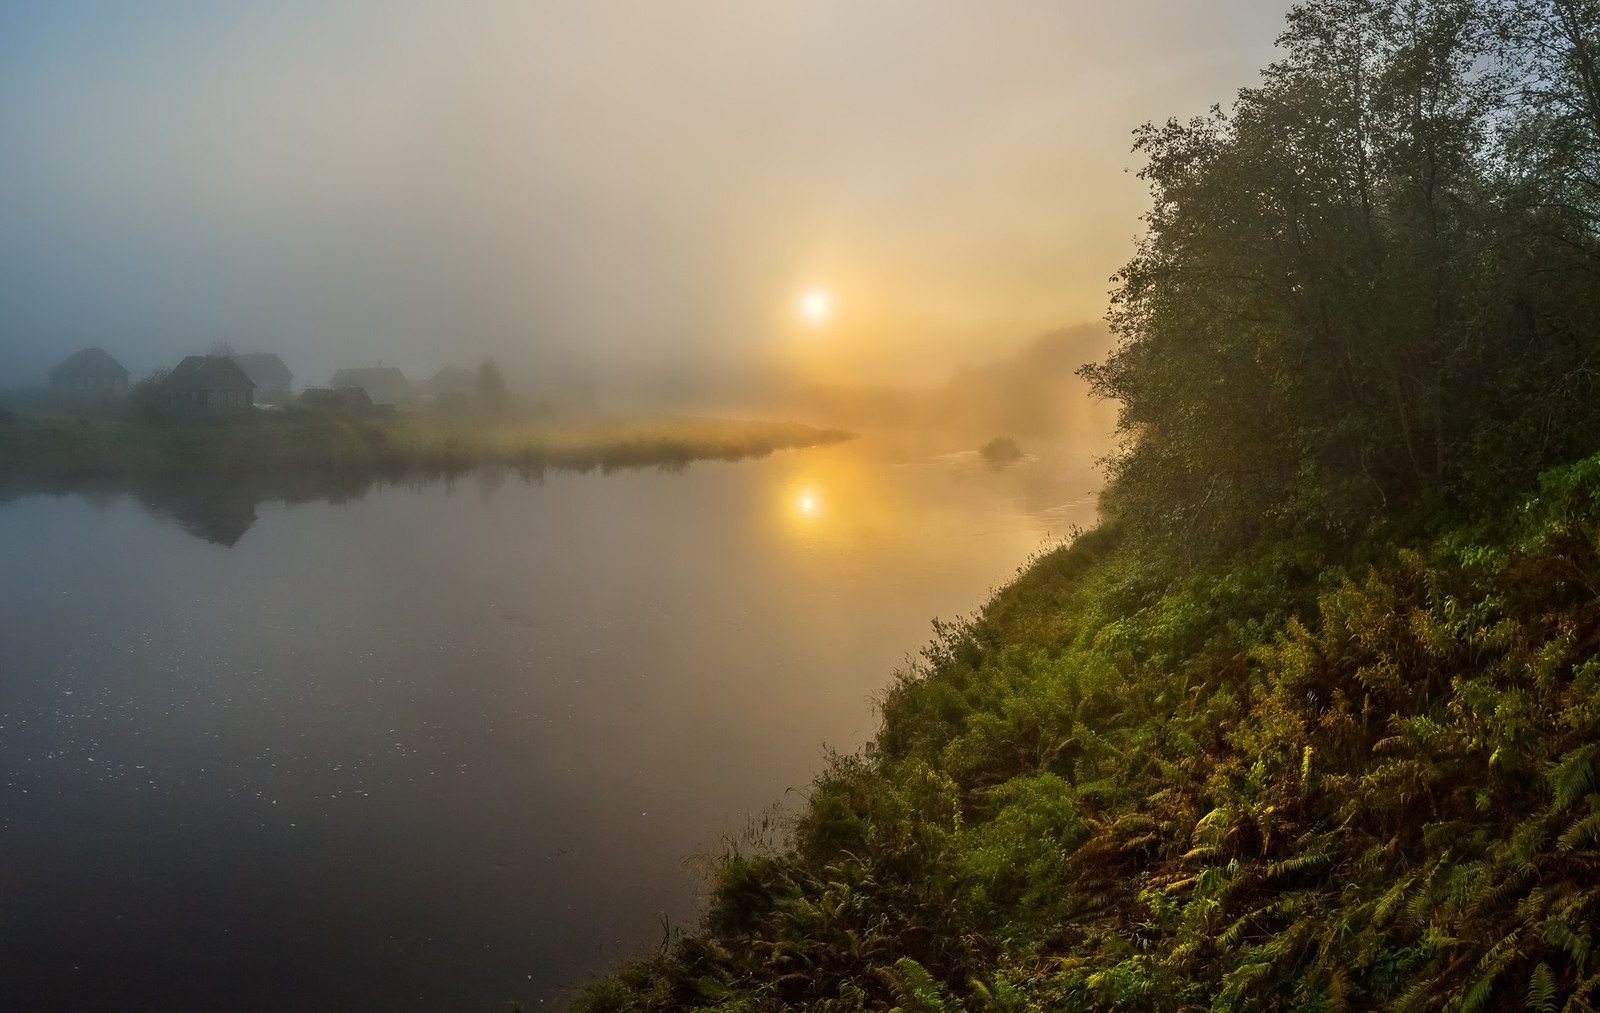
[447, 746]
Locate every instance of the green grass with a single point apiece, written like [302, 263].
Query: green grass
[45, 447]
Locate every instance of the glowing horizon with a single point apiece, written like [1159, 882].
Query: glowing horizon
[623, 189]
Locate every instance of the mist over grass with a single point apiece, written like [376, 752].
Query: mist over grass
[37, 447]
[1034, 392]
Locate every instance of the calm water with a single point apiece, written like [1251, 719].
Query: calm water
[445, 747]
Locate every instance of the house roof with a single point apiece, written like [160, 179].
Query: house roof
[453, 380]
[372, 378]
[89, 362]
[265, 368]
[207, 372]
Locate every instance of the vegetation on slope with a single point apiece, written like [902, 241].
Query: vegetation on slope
[1132, 788]
[1312, 721]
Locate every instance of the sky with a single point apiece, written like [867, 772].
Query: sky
[635, 187]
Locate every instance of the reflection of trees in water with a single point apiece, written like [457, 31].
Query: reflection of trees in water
[221, 508]
[220, 515]
[217, 508]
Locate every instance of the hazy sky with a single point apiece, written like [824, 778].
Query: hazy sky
[639, 183]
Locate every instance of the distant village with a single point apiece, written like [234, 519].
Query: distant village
[224, 381]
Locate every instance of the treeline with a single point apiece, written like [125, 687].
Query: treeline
[1374, 281]
[53, 453]
[1311, 722]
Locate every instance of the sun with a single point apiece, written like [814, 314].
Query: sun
[816, 306]
[808, 503]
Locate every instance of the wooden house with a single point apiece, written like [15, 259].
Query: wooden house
[90, 373]
[274, 383]
[453, 381]
[384, 384]
[207, 383]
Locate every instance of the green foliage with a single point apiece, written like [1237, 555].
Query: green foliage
[1372, 283]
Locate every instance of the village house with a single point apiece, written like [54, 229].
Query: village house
[453, 380]
[274, 383]
[207, 383]
[384, 384]
[90, 373]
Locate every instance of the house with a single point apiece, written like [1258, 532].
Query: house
[384, 384]
[453, 380]
[207, 383]
[274, 383]
[89, 373]
[335, 399]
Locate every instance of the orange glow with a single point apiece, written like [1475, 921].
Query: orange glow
[816, 306]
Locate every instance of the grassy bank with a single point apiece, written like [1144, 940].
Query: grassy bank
[39, 447]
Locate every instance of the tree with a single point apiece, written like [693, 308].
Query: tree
[1344, 300]
[492, 387]
[144, 397]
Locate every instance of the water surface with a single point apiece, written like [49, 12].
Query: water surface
[446, 745]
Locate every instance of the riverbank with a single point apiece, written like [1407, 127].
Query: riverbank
[1308, 776]
[36, 447]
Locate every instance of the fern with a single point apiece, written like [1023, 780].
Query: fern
[1582, 832]
[916, 990]
[1490, 967]
[1413, 998]
[1542, 989]
[1236, 982]
[1573, 776]
[1575, 944]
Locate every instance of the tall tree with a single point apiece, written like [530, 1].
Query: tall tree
[1335, 271]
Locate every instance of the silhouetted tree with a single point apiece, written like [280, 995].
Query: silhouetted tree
[492, 387]
[144, 397]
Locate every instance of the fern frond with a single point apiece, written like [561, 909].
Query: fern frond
[1582, 832]
[1573, 776]
[1542, 989]
[1493, 964]
[915, 988]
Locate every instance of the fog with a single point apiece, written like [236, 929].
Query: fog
[415, 696]
[633, 190]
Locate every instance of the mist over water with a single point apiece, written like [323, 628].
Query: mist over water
[445, 746]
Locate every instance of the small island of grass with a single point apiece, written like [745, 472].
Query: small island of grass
[1001, 451]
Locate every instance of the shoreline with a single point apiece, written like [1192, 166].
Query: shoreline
[38, 449]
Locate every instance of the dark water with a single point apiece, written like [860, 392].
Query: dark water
[448, 746]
